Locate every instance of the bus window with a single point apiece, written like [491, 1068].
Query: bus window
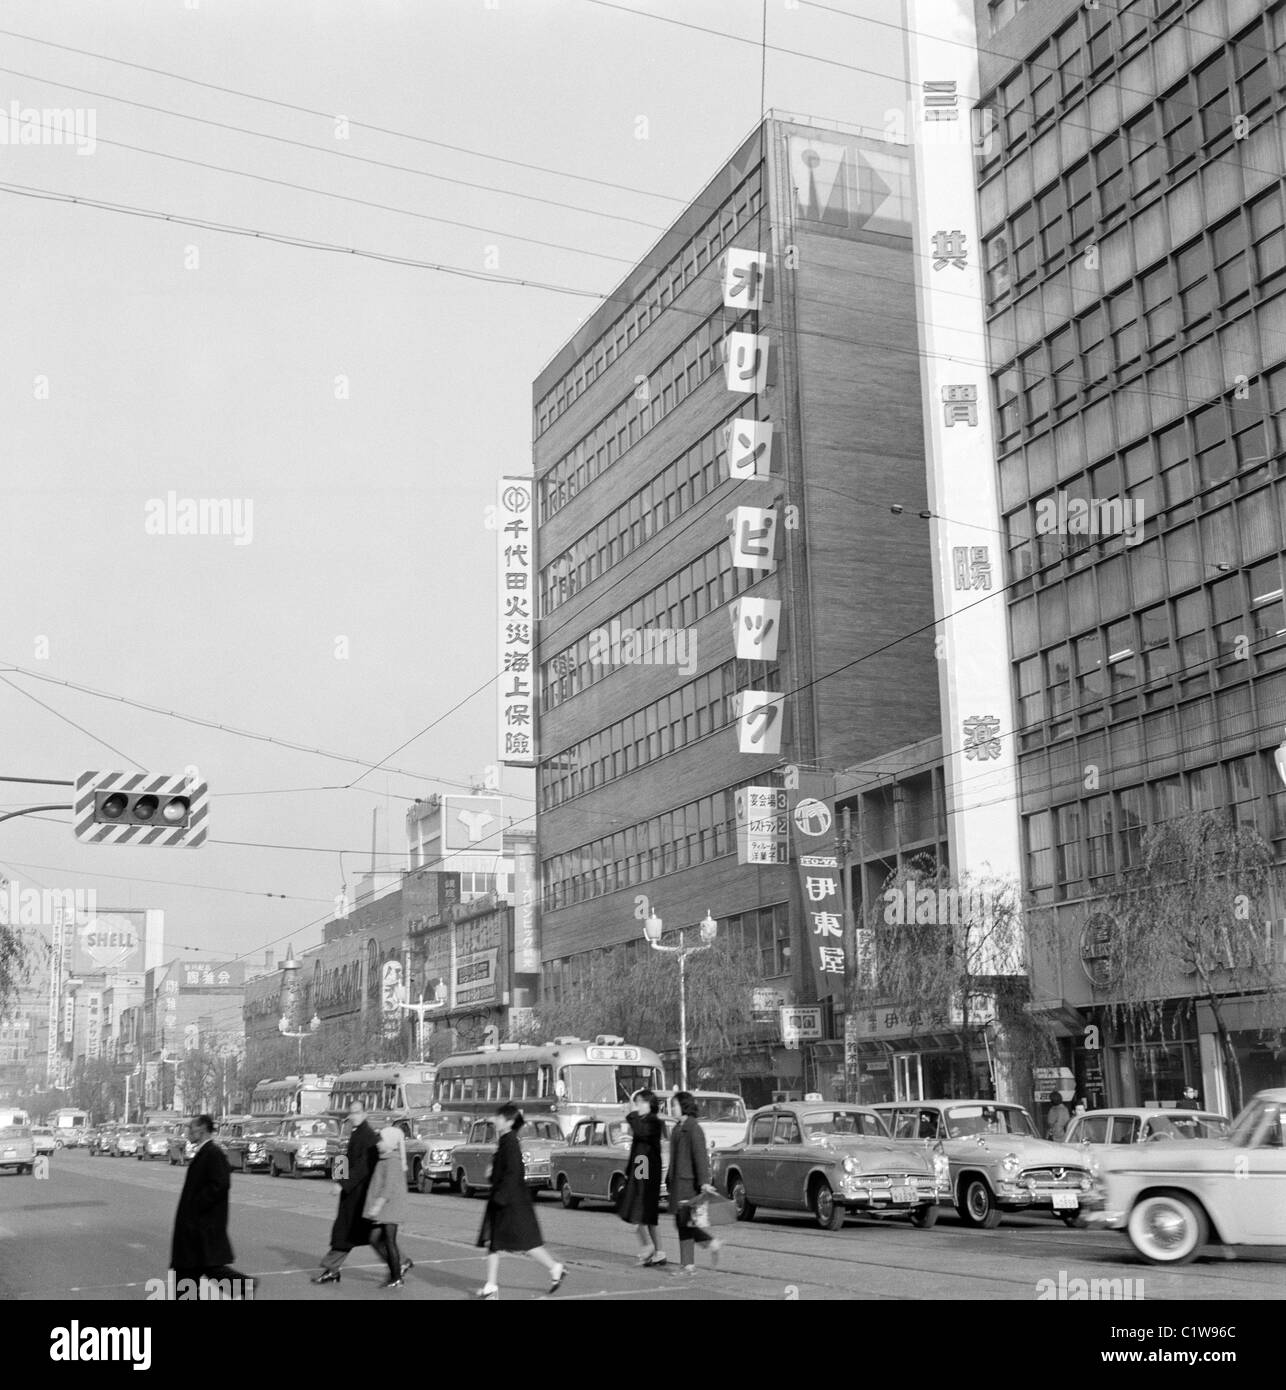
[529, 1085]
[468, 1087]
[546, 1076]
[493, 1081]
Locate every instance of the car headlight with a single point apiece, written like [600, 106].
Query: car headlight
[1010, 1164]
[1086, 1184]
[1095, 1167]
[851, 1165]
[941, 1168]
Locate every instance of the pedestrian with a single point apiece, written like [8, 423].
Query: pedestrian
[351, 1228]
[641, 1197]
[1078, 1106]
[1058, 1119]
[386, 1204]
[509, 1223]
[200, 1244]
[689, 1177]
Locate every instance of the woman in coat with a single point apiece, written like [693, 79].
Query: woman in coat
[386, 1205]
[641, 1198]
[509, 1222]
[689, 1177]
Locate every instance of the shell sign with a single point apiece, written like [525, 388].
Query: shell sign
[110, 943]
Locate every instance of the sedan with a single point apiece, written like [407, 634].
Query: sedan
[126, 1141]
[45, 1140]
[1171, 1199]
[593, 1164]
[471, 1161]
[431, 1146]
[308, 1144]
[181, 1150]
[156, 1143]
[17, 1149]
[101, 1144]
[1143, 1125]
[833, 1161]
[246, 1143]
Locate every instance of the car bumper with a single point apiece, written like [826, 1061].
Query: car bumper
[312, 1161]
[856, 1197]
[1013, 1197]
[259, 1160]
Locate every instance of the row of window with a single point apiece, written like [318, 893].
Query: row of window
[692, 476]
[702, 706]
[497, 1081]
[672, 381]
[676, 604]
[733, 216]
[1237, 265]
[696, 833]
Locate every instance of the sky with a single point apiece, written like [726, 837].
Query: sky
[356, 411]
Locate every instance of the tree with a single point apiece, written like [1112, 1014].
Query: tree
[948, 954]
[638, 999]
[20, 952]
[1195, 906]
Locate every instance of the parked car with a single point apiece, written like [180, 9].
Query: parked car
[304, 1144]
[831, 1160]
[999, 1163]
[593, 1163]
[471, 1160]
[73, 1137]
[246, 1143]
[1171, 1199]
[100, 1145]
[17, 1149]
[1144, 1125]
[45, 1140]
[156, 1143]
[431, 1146]
[181, 1150]
[721, 1115]
[125, 1141]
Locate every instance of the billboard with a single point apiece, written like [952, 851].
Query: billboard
[475, 979]
[516, 622]
[472, 823]
[526, 944]
[111, 942]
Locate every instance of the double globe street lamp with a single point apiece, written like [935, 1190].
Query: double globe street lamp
[652, 931]
[420, 1009]
[283, 1027]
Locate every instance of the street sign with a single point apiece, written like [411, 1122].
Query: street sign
[139, 808]
[800, 1025]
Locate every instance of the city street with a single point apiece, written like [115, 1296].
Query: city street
[100, 1229]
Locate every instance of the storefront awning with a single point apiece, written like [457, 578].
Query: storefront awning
[1058, 1012]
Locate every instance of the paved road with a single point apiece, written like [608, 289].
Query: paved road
[100, 1229]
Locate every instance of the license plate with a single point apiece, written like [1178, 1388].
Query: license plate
[903, 1195]
[1066, 1201]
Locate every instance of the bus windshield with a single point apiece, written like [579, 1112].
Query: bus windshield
[605, 1084]
[419, 1095]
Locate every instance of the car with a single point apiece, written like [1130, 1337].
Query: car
[431, 1146]
[833, 1161]
[1172, 1199]
[45, 1140]
[304, 1144]
[721, 1115]
[17, 1148]
[999, 1163]
[471, 1161]
[73, 1137]
[125, 1142]
[1143, 1125]
[593, 1163]
[100, 1143]
[180, 1150]
[156, 1143]
[245, 1142]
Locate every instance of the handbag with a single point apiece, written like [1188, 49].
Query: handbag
[706, 1211]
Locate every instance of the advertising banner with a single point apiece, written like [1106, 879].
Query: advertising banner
[812, 822]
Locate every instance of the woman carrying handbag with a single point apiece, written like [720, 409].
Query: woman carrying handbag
[689, 1177]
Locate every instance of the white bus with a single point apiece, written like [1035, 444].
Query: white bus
[292, 1095]
[385, 1088]
[568, 1078]
[12, 1116]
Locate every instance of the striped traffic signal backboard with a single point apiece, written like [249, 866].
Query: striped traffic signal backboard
[139, 808]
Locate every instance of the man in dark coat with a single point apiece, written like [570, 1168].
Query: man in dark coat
[351, 1228]
[200, 1245]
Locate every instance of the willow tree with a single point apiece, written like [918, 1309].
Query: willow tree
[1195, 906]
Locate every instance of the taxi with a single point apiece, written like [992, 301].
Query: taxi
[593, 1164]
[245, 1142]
[471, 1161]
[17, 1149]
[1172, 1199]
[126, 1141]
[431, 1142]
[831, 1160]
[156, 1143]
[1143, 1125]
[304, 1144]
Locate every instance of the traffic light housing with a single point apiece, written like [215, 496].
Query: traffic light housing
[139, 808]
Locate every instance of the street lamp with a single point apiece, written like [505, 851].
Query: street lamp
[283, 1027]
[420, 1009]
[652, 931]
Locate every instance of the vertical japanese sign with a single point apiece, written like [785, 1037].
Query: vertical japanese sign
[973, 639]
[763, 833]
[517, 683]
[812, 826]
[526, 947]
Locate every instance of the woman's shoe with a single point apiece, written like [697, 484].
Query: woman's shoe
[327, 1276]
[556, 1279]
[487, 1291]
[657, 1257]
[391, 1284]
[407, 1266]
[715, 1246]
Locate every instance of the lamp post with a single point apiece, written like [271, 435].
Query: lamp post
[420, 1009]
[652, 931]
[283, 1027]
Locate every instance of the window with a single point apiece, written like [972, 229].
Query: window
[1196, 292]
[1154, 642]
[1133, 817]
[1144, 152]
[1023, 242]
[1040, 852]
[1100, 859]
[761, 1129]
[786, 1130]
[1125, 1129]
[1067, 820]
[1180, 132]
[1160, 312]
[1063, 366]
[1268, 239]
[1123, 319]
[1109, 171]
[1051, 214]
[1089, 671]
[1080, 204]
[1213, 95]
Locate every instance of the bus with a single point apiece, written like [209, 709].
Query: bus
[292, 1095]
[385, 1088]
[69, 1126]
[11, 1116]
[568, 1078]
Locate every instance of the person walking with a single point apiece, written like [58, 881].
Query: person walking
[200, 1244]
[1058, 1119]
[509, 1223]
[689, 1177]
[386, 1204]
[351, 1227]
[641, 1198]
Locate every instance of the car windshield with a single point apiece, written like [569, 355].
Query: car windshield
[722, 1109]
[440, 1127]
[963, 1120]
[844, 1122]
[130, 1129]
[315, 1127]
[14, 1132]
[419, 1095]
[1260, 1122]
[542, 1129]
[259, 1131]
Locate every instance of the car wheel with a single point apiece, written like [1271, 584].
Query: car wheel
[273, 1169]
[744, 1207]
[828, 1213]
[173, 1160]
[565, 1196]
[977, 1206]
[423, 1183]
[616, 1189]
[291, 1170]
[1167, 1228]
[416, 1170]
[462, 1184]
[924, 1218]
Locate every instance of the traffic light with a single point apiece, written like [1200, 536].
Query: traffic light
[139, 808]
